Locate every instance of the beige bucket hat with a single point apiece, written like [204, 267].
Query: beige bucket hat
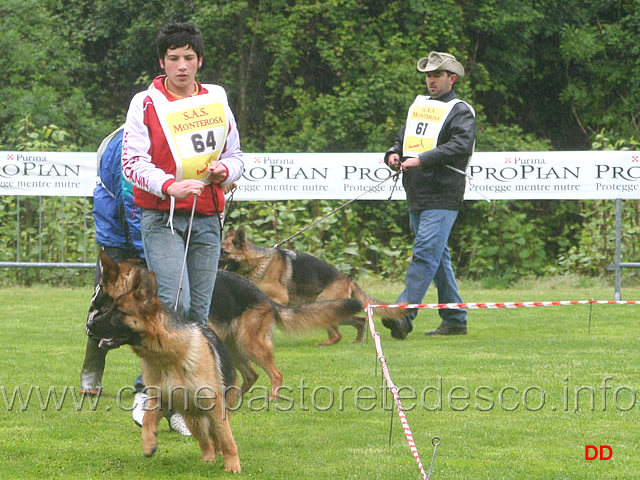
[440, 61]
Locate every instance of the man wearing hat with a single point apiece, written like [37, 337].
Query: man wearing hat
[433, 150]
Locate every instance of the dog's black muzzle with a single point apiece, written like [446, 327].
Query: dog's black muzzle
[104, 323]
[229, 264]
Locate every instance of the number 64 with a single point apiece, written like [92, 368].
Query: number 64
[199, 145]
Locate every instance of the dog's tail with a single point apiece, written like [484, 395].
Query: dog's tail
[312, 316]
[362, 297]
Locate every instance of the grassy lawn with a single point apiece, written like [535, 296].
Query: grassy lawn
[520, 396]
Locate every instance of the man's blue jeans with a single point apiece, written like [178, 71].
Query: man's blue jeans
[432, 262]
[164, 252]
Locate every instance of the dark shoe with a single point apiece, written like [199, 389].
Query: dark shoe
[445, 329]
[400, 328]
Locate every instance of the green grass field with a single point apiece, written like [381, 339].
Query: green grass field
[520, 396]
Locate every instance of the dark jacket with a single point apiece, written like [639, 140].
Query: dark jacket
[433, 185]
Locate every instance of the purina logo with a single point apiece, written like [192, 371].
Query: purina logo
[35, 165]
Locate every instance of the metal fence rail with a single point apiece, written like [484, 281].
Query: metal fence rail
[54, 245]
[31, 221]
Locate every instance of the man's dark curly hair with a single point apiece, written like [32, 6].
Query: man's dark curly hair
[179, 34]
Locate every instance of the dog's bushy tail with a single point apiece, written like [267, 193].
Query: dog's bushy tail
[312, 316]
[362, 297]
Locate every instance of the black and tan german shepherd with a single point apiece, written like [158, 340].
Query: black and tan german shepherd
[294, 278]
[184, 363]
[244, 318]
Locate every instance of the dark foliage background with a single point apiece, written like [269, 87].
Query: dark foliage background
[338, 76]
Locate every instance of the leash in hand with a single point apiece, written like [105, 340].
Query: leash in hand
[186, 251]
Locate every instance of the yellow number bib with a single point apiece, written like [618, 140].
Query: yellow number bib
[424, 122]
[196, 130]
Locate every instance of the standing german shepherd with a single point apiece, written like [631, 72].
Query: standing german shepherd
[185, 363]
[294, 278]
[244, 318]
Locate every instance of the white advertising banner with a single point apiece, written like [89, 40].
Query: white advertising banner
[590, 175]
[59, 174]
[344, 176]
[491, 175]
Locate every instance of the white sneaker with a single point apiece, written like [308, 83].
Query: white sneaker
[177, 423]
[139, 407]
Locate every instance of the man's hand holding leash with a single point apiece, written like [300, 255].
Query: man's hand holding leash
[218, 173]
[185, 188]
[396, 163]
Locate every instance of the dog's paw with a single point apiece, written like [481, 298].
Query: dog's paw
[149, 453]
[232, 466]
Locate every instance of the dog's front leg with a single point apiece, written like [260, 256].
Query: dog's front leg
[228, 446]
[150, 431]
[201, 428]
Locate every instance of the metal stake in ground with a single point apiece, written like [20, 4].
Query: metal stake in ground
[391, 425]
[435, 441]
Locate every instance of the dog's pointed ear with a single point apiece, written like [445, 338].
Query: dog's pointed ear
[148, 288]
[108, 268]
[239, 239]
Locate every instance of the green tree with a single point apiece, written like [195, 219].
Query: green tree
[40, 74]
[338, 76]
[600, 54]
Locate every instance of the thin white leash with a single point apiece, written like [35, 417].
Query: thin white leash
[186, 251]
[469, 177]
[370, 189]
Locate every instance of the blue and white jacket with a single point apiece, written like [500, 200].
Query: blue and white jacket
[116, 217]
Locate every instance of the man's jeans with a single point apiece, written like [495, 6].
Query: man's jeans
[164, 252]
[432, 262]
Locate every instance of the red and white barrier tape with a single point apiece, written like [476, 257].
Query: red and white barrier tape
[385, 370]
[507, 304]
[396, 398]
